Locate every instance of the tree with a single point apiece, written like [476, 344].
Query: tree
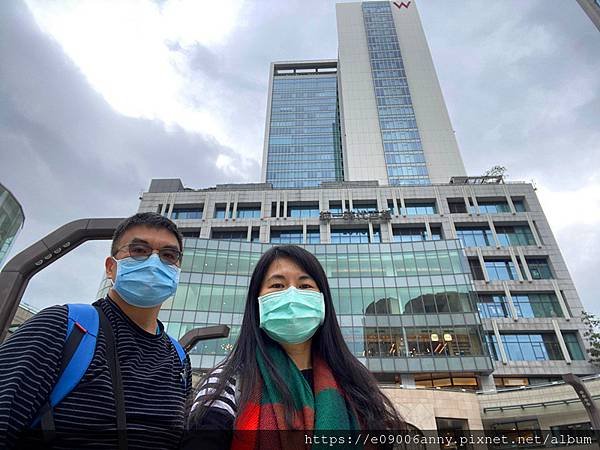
[592, 335]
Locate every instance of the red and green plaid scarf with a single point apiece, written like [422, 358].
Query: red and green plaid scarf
[323, 409]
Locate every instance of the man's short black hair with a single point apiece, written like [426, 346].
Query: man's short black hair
[147, 219]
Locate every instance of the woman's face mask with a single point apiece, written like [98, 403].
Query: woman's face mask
[292, 315]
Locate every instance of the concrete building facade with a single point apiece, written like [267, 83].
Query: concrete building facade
[506, 317]
[515, 266]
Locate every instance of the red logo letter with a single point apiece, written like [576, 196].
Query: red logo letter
[402, 5]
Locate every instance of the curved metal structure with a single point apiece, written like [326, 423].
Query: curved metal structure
[16, 274]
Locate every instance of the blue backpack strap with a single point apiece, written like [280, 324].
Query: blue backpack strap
[85, 318]
[182, 356]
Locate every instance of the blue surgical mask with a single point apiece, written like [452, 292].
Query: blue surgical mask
[146, 283]
[291, 316]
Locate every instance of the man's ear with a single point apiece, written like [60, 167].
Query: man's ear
[110, 266]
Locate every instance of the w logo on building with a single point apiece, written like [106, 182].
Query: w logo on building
[402, 5]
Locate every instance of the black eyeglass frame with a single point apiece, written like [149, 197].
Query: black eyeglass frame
[160, 251]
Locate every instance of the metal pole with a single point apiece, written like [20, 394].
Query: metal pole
[192, 337]
[586, 399]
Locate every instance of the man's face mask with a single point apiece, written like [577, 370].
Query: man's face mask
[145, 283]
[291, 316]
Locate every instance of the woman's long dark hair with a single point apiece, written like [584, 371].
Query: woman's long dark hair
[374, 410]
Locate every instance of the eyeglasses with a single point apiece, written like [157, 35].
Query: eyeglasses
[140, 252]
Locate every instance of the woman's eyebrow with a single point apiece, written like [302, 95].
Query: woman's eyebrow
[276, 276]
[305, 277]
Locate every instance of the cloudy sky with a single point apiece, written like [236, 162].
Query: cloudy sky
[97, 98]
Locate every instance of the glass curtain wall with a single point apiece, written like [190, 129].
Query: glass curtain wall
[381, 293]
[11, 221]
[304, 140]
[402, 147]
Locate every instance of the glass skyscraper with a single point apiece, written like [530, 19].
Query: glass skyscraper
[11, 221]
[303, 146]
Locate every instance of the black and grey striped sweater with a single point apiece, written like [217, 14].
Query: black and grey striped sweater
[155, 397]
[211, 424]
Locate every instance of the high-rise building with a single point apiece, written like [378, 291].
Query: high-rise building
[440, 281]
[11, 221]
[302, 137]
[394, 131]
[395, 125]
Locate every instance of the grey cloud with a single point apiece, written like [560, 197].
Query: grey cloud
[66, 154]
[509, 80]
[521, 83]
[237, 71]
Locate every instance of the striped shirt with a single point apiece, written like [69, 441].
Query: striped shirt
[226, 401]
[155, 396]
[210, 432]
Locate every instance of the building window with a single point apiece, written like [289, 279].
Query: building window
[459, 341]
[523, 431]
[447, 380]
[511, 382]
[526, 347]
[313, 235]
[539, 268]
[436, 233]
[492, 305]
[230, 235]
[501, 270]
[514, 235]
[493, 206]
[255, 235]
[220, 210]
[536, 305]
[335, 207]
[248, 212]
[354, 235]
[413, 208]
[301, 210]
[286, 236]
[519, 205]
[457, 206]
[365, 206]
[476, 270]
[480, 236]
[416, 234]
[413, 234]
[526, 305]
[573, 346]
[183, 213]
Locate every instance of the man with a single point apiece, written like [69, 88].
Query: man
[144, 266]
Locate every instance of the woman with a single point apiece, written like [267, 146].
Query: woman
[290, 368]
